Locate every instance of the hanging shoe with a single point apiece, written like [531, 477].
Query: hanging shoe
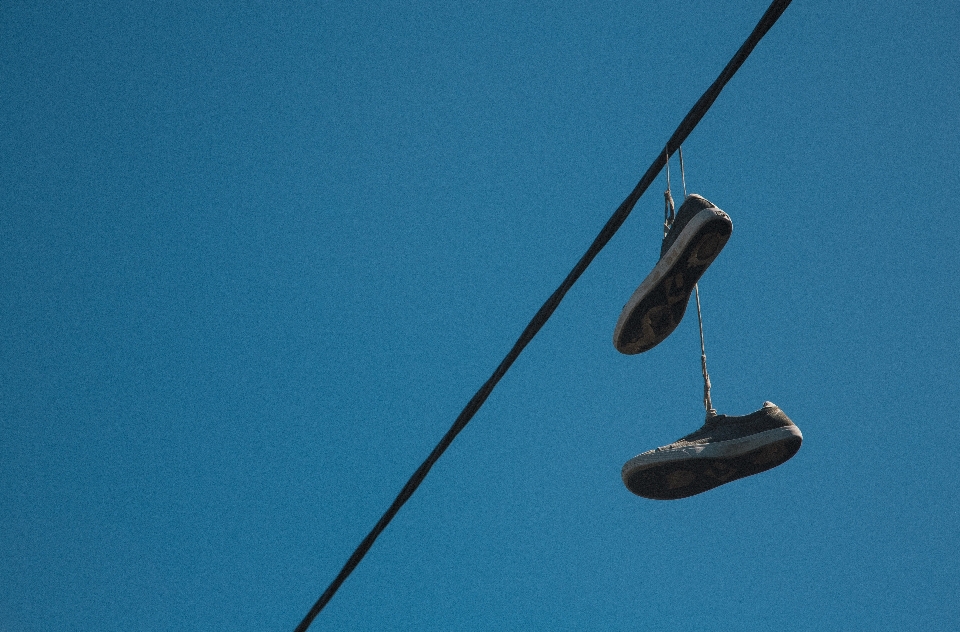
[696, 237]
[723, 450]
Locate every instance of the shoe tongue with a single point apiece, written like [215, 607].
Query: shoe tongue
[692, 204]
[714, 419]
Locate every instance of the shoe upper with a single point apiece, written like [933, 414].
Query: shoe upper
[725, 449]
[692, 205]
[726, 427]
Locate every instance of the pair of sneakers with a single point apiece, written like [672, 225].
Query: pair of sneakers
[726, 448]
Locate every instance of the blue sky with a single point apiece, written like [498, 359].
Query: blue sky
[256, 258]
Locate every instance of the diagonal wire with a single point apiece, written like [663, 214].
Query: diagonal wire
[689, 122]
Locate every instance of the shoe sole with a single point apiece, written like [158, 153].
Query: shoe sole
[694, 469]
[658, 305]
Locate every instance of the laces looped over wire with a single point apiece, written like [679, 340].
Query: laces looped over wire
[668, 217]
[711, 412]
[668, 207]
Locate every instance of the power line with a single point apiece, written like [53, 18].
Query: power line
[689, 122]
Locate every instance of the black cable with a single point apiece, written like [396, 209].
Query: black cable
[689, 122]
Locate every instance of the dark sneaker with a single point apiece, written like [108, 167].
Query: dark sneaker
[725, 449]
[698, 234]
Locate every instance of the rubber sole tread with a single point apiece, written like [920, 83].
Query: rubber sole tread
[692, 476]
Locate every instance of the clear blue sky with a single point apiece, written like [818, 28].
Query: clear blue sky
[255, 257]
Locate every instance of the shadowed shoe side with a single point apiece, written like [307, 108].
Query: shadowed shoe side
[698, 234]
[725, 449]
